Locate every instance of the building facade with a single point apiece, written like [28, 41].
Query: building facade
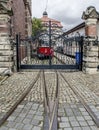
[52, 27]
[22, 18]
[15, 18]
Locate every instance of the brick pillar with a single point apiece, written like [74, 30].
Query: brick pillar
[6, 47]
[90, 48]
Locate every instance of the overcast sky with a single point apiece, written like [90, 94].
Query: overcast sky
[68, 12]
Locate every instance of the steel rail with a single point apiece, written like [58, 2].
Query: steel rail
[1, 82]
[2, 120]
[54, 111]
[51, 113]
[46, 99]
[91, 113]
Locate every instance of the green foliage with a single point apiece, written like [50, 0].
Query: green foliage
[37, 26]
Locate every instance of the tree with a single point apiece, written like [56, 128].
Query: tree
[37, 26]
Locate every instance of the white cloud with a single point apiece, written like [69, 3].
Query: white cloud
[67, 12]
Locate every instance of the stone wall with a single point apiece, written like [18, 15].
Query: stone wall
[6, 48]
[15, 18]
[90, 57]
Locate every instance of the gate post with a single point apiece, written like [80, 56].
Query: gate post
[28, 52]
[6, 46]
[90, 50]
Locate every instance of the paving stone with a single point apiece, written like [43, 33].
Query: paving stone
[91, 123]
[22, 115]
[29, 104]
[27, 127]
[26, 107]
[19, 119]
[35, 122]
[19, 126]
[29, 116]
[85, 113]
[61, 114]
[82, 109]
[69, 113]
[73, 106]
[41, 109]
[36, 128]
[80, 118]
[94, 128]
[64, 124]
[12, 129]
[74, 123]
[25, 111]
[32, 112]
[26, 121]
[67, 128]
[39, 113]
[15, 114]
[64, 119]
[10, 124]
[38, 117]
[83, 123]
[77, 113]
[72, 118]
[11, 118]
[18, 110]
[77, 128]
[87, 118]
[3, 128]
[86, 128]
[61, 110]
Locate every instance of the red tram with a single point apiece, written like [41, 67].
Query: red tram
[45, 52]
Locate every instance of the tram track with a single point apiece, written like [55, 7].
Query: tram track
[88, 109]
[51, 105]
[3, 79]
[25, 93]
[55, 85]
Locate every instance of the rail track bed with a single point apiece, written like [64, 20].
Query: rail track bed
[48, 100]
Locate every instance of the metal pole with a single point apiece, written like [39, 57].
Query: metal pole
[50, 41]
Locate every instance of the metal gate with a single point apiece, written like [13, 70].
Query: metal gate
[67, 53]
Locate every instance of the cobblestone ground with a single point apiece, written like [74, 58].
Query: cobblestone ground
[71, 113]
[91, 81]
[12, 89]
[50, 78]
[29, 115]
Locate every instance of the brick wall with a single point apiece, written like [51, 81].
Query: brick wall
[18, 19]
